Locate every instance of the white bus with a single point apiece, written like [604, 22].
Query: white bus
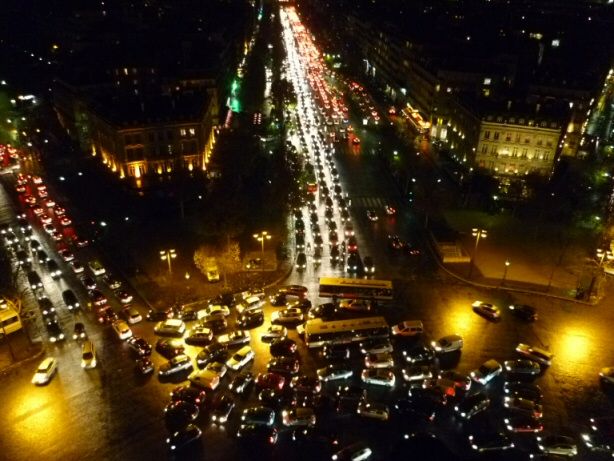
[320, 333]
[339, 287]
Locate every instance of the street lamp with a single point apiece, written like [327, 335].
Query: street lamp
[507, 265]
[261, 237]
[168, 255]
[478, 234]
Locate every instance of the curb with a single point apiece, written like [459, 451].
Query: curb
[19, 363]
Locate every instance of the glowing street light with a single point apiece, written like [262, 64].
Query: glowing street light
[168, 255]
[261, 237]
[478, 234]
[507, 265]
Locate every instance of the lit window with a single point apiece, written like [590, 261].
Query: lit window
[182, 132]
[192, 132]
[555, 43]
[487, 81]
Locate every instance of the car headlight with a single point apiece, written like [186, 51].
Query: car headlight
[474, 446]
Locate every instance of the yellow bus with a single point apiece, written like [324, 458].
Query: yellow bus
[339, 287]
[320, 333]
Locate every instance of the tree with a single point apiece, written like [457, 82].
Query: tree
[201, 255]
[230, 259]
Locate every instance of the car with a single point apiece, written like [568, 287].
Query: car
[199, 336]
[315, 435]
[348, 230]
[379, 376]
[490, 311]
[45, 219]
[461, 381]
[41, 256]
[170, 327]
[368, 265]
[420, 354]
[188, 394]
[557, 445]
[45, 371]
[287, 315]
[222, 407]
[383, 360]
[352, 263]
[169, 348]
[240, 358]
[79, 331]
[606, 375]
[250, 319]
[490, 441]
[125, 297]
[524, 406]
[89, 283]
[160, 314]
[211, 353]
[274, 332]
[77, 267]
[214, 310]
[49, 228]
[270, 380]
[358, 305]
[472, 405]
[282, 347]
[298, 416]
[523, 423]
[217, 325]
[284, 365]
[97, 297]
[351, 393]
[373, 410]
[523, 311]
[408, 328]
[306, 384]
[352, 244]
[334, 372]
[23, 258]
[355, 452]
[301, 262]
[59, 211]
[65, 221]
[205, 379]
[523, 390]
[183, 437]
[372, 216]
[600, 435]
[535, 353]
[106, 315]
[114, 283]
[324, 311]
[448, 343]
[122, 329]
[132, 315]
[235, 338]
[423, 408]
[487, 372]
[259, 415]
[278, 299]
[241, 382]
[218, 368]
[176, 364]
[70, 300]
[46, 307]
[88, 355]
[522, 366]
[257, 434]
[54, 330]
[139, 346]
[417, 373]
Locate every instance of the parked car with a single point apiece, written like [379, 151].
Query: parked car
[523, 311]
[240, 358]
[298, 416]
[523, 423]
[183, 437]
[175, 365]
[490, 441]
[258, 415]
[170, 327]
[487, 371]
[274, 332]
[379, 376]
[522, 366]
[287, 315]
[408, 328]
[448, 343]
[222, 407]
[241, 382]
[535, 353]
[417, 373]
[490, 311]
[282, 347]
[373, 410]
[524, 406]
[384, 360]
[472, 405]
[557, 445]
[420, 354]
[211, 353]
[139, 346]
[336, 352]
[334, 372]
[199, 336]
[523, 390]
[235, 338]
[257, 434]
[169, 348]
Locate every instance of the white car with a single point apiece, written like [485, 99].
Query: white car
[170, 327]
[417, 373]
[376, 347]
[288, 315]
[373, 410]
[448, 343]
[215, 310]
[274, 332]
[234, 338]
[535, 353]
[45, 371]
[240, 358]
[122, 329]
[383, 360]
[557, 445]
[132, 315]
[408, 328]
[489, 370]
[379, 376]
[333, 372]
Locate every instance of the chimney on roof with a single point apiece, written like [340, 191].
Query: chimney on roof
[509, 104]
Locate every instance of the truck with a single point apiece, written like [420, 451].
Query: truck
[211, 270]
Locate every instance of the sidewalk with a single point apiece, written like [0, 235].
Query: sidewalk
[16, 350]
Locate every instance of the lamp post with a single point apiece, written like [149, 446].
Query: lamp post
[507, 265]
[478, 234]
[168, 255]
[261, 237]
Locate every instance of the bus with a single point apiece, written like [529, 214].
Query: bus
[9, 321]
[338, 287]
[320, 333]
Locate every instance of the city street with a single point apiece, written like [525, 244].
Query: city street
[112, 413]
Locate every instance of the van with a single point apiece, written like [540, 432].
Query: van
[88, 355]
[248, 304]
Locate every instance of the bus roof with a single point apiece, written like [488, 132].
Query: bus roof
[340, 281]
[318, 325]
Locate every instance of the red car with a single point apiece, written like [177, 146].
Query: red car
[270, 381]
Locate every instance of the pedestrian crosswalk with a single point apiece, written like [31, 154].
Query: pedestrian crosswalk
[373, 202]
